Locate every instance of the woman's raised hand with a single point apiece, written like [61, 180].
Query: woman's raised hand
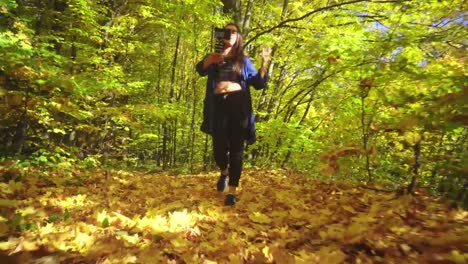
[265, 54]
[212, 58]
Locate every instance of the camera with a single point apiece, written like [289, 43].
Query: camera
[220, 35]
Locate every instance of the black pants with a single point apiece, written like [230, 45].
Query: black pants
[231, 117]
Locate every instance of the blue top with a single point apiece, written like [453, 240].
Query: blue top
[249, 77]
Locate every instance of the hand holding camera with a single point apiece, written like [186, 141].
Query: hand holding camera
[213, 58]
[222, 37]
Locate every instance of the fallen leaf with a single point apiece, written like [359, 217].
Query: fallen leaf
[260, 218]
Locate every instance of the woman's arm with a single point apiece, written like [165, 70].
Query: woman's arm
[265, 58]
[257, 78]
[203, 65]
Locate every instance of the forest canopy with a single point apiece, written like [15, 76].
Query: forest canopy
[358, 90]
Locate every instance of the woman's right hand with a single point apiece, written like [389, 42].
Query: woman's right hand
[212, 58]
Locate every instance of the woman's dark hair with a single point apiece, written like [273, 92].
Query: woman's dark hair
[238, 50]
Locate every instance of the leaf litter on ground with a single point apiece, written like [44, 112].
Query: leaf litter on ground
[281, 217]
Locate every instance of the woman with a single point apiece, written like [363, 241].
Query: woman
[227, 112]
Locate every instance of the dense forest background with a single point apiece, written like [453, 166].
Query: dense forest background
[361, 90]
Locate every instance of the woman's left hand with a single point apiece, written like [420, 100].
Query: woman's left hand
[265, 54]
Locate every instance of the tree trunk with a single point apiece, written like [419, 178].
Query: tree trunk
[165, 155]
[174, 144]
[167, 136]
[263, 99]
[416, 165]
[301, 122]
[365, 133]
[174, 64]
[233, 8]
[247, 18]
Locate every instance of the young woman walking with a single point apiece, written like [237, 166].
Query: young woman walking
[227, 113]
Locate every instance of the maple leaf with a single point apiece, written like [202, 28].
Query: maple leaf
[355, 232]
[331, 254]
[47, 229]
[235, 259]
[123, 221]
[157, 224]
[296, 213]
[260, 218]
[83, 240]
[8, 203]
[458, 257]
[180, 220]
[179, 242]
[208, 247]
[349, 209]
[281, 256]
[3, 229]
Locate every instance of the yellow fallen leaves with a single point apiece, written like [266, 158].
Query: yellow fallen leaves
[74, 201]
[3, 229]
[8, 203]
[349, 208]
[260, 218]
[82, 241]
[120, 217]
[458, 257]
[355, 232]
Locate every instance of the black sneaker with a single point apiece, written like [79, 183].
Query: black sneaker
[230, 200]
[222, 182]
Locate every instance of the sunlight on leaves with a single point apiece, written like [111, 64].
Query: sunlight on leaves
[260, 218]
[74, 201]
[199, 230]
[83, 241]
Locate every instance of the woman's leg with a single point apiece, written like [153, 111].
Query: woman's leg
[221, 136]
[236, 152]
[237, 114]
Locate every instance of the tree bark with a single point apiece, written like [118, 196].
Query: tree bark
[247, 19]
[365, 132]
[416, 165]
[233, 8]
[263, 99]
[301, 122]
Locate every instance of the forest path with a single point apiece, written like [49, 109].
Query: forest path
[281, 217]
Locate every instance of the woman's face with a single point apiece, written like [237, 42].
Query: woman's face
[234, 34]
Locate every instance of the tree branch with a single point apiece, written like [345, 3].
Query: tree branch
[284, 22]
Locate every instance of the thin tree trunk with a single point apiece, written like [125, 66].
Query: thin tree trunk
[167, 156]
[174, 144]
[263, 98]
[365, 136]
[174, 64]
[275, 98]
[233, 7]
[164, 150]
[416, 165]
[158, 86]
[301, 122]
[247, 18]
[192, 126]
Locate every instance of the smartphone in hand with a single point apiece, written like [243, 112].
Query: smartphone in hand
[220, 35]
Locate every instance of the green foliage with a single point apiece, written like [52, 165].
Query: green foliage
[54, 218]
[91, 161]
[355, 89]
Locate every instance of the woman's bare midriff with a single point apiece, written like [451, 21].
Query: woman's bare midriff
[227, 87]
